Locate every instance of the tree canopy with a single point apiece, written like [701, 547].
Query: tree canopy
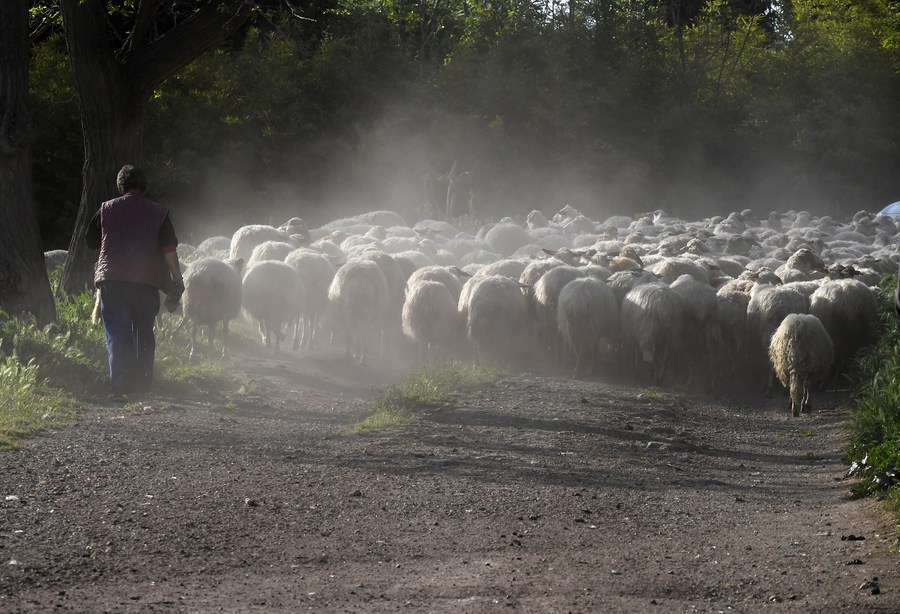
[327, 107]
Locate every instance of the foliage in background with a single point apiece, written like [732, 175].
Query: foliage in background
[875, 425]
[613, 107]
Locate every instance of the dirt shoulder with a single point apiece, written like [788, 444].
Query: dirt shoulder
[535, 494]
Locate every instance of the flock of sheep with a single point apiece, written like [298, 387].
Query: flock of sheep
[702, 303]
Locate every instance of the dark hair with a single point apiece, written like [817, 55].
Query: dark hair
[130, 178]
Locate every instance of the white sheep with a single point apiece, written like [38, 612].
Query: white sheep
[506, 237]
[848, 310]
[701, 333]
[670, 269]
[430, 318]
[449, 276]
[545, 297]
[359, 300]
[801, 353]
[316, 272]
[587, 315]
[651, 316]
[768, 306]
[496, 312]
[55, 258]
[247, 237]
[212, 294]
[273, 296]
[270, 250]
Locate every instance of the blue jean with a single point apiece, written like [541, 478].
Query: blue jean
[128, 311]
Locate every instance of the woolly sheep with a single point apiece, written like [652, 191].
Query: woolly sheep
[55, 258]
[273, 296]
[430, 318]
[214, 246]
[848, 310]
[359, 298]
[587, 314]
[700, 334]
[623, 282]
[671, 269]
[270, 250]
[246, 238]
[651, 316]
[316, 273]
[506, 238]
[801, 353]
[545, 295]
[768, 307]
[508, 268]
[536, 268]
[449, 276]
[496, 313]
[212, 294]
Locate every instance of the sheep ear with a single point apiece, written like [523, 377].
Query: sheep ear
[549, 252]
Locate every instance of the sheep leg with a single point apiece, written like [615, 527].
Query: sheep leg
[807, 405]
[224, 338]
[796, 397]
[192, 355]
[298, 334]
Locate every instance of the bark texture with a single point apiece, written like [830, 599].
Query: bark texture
[24, 287]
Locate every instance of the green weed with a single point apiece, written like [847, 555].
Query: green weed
[432, 387]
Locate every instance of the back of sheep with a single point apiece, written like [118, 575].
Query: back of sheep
[670, 269]
[587, 314]
[246, 238]
[359, 297]
[430, 317]
[801, 353]
[440, 274]
[270, 250]
[848, 310]
[274, 296]
[212, 292]
[496, 316]
[316, 272]
[652, 317]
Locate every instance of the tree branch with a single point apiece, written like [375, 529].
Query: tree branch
[143, 22]
[155, 62]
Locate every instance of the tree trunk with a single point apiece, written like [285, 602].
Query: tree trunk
[111, 121]
[114, 87]
[24, 287]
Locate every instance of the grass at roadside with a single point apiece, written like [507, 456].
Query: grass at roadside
[875, 426]
[47, 373]
[429, 388]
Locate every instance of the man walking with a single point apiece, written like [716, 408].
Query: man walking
[137, 258]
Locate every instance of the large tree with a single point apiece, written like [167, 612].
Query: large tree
[119, 57]
[24, 287]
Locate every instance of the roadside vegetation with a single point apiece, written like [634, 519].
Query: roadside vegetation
[874, 454]
[432, 387]
[48, 373]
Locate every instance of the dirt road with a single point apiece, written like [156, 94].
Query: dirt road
[536, 494]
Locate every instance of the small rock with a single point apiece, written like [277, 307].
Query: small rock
[656, 445]
[855, 562]
[251, 502]
[356, 493]
[852, 538]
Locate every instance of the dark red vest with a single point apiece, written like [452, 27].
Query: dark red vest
[129, 250]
